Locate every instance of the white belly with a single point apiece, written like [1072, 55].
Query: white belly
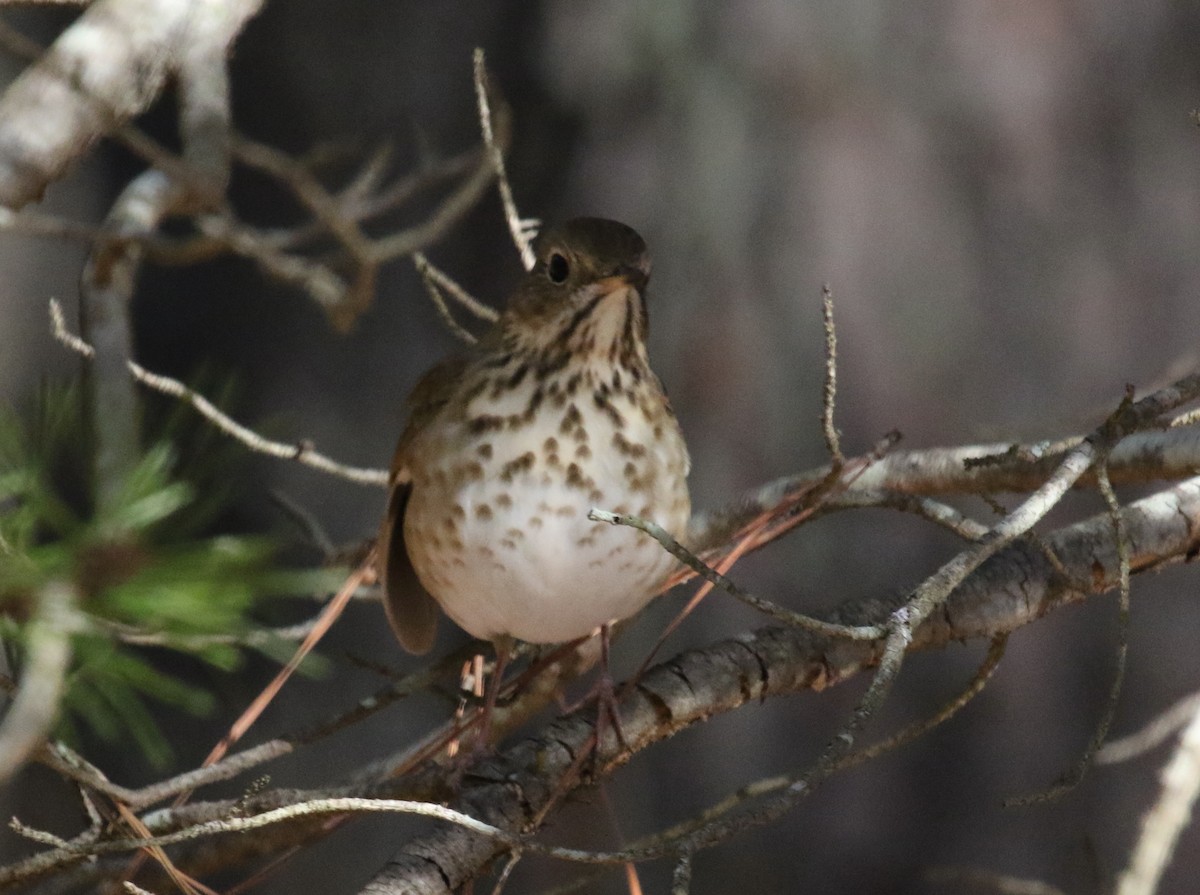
[500, 535]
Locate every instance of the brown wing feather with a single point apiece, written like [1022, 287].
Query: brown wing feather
[411, 611]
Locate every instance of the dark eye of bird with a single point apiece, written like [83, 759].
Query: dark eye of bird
[557, 268]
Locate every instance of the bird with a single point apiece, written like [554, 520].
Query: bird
[509, 444]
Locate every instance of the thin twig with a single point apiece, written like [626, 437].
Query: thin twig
[833, 442]
[1153, 735]
[307, 522]
[1186, 419]
[1166, 819]
[434, 291]
[302, 453]
[689, 559]
[987, 881]
[936, 590]
[1076, 774]
[760, 788]
[519, 228]
[427, 269]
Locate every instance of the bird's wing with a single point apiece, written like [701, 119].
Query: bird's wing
[411, 611]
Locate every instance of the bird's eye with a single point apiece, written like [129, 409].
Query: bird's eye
[557, 268]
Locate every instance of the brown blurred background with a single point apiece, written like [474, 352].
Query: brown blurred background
[1005, 199]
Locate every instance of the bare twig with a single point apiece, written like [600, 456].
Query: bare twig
[829, 392]
[307, 522]
[521, 230]
[106, 67]
[1153, 735]
[330, 614]
[689, 559]
[106, 292]
[451, 209]
[936, 590]
[681, 875]
[1075, 775]
[987, 881]
[702, 683]
[48, 649]
[940, 514]
[1167, 818]
[434, 290]
[1141, 458]
[457, 292]
[301, 453]
[760, 788]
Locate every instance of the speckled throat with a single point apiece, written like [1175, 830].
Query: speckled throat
[556, 412]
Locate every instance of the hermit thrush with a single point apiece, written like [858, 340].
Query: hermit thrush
[554, 411]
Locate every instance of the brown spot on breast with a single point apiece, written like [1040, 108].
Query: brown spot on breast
[521, 464]
[514, 534]
[478, 425]
[515, 379]
[508, 543]
[535, 522]
[484, 450]
[600, 398]
[583, 452]
[570, 421]
[503, 501]
[475, 390]
[483, 512]
[535, 401]
[550, 445]
[470, 472]
[627, 447]
[576, 478]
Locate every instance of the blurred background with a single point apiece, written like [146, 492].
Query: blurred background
[1005, 200]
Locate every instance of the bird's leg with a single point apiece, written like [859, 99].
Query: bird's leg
[481, 745]
[607, 709]
[503, 646]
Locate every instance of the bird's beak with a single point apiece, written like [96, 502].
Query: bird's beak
[628, 275]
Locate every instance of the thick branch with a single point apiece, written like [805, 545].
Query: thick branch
[1011, 589]
[107, 67]
[1140, 458]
